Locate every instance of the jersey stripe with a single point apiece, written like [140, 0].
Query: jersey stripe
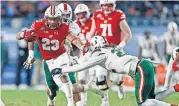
[141, 86]
[51, 10]
[65, 6]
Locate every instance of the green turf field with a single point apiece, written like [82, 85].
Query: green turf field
[38, 98]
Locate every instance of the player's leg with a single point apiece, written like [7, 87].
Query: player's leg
[52, 87]
[163, 94]
[144, 81]
[62, 80]
[154, 102]
[76, 88]
[82, 77]
[117, 83]
[152, 92]
[101, 77]
[102, 84]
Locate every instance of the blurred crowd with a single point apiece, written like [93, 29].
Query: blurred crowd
[161, 10]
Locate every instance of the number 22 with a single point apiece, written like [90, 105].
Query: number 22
[106, 27]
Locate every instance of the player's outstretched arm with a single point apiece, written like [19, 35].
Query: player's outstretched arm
[127, 34]
[86, 65]
[77, 42]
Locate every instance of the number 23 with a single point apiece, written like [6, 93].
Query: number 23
[50, 44]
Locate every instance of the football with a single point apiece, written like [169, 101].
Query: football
[30, 35]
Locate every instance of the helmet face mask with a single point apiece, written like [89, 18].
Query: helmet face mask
[66, 11]
[82, 12]
[53, 23]
[65, 17]
[82, 17]
[108, 6]
[53, 17]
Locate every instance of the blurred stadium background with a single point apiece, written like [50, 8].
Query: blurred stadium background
[152, 16]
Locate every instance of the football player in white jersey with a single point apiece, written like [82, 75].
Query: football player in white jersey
[120, 62]
[83, 19]
[172, 75]
[171, 40]
[148, 47]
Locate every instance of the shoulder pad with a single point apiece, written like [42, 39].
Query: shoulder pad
[120, 11]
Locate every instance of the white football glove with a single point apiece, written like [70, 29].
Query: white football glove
[28, 63]
[30, 60]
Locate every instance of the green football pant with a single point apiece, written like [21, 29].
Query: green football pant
[144, 82]
[167, 57]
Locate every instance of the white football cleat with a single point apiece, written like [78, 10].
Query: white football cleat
[51, 102]
[104, 103]
[70, 104]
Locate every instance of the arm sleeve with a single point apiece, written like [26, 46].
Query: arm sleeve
[88, 64]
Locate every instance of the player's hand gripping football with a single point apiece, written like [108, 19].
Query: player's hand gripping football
[28, 63]
[20, 35]
[26, 34]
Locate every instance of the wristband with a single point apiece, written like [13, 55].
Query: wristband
[31, 53]
[122, 44]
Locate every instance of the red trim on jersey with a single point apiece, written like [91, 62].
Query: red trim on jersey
[65, 6]
[51, 10]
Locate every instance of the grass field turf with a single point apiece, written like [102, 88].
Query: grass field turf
[38, 98]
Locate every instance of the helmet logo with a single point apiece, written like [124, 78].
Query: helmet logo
[53, 10]
[65, 6]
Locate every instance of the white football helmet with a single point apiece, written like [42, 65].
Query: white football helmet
[98, 42]
[172, 27]
[66, 11]
[53, 16]
[53, 12]
[101, 2]
[82, 8]
[175, 52]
